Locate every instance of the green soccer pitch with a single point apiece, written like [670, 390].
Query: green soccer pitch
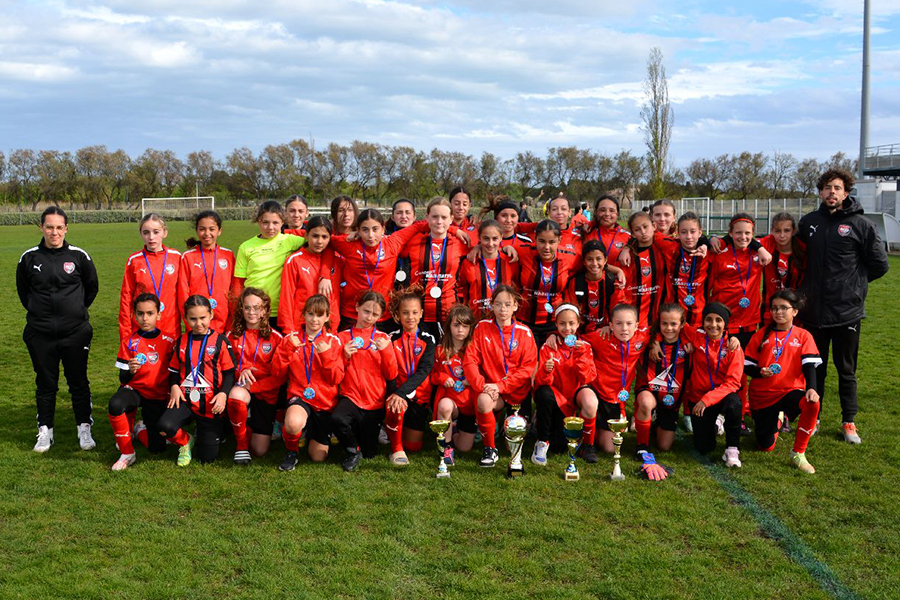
[69, 527]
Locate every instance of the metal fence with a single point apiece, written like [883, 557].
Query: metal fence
[716, 214]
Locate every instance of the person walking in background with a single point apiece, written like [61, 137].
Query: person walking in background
[57, 282]
[843, 254]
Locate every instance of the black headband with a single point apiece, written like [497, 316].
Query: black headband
[717, 308]
[504, 205]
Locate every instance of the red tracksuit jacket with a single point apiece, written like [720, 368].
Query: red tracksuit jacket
[573, 368]
[151, 381]
[368, 371]
[142, 271]
[207, 273]
[326, 370]
[505, 360]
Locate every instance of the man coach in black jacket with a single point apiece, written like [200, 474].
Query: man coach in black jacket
[57, 283]
[844, 253]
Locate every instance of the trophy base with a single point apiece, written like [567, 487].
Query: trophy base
[443, 475]
[515, 473]
[572, 476]
[617, 477]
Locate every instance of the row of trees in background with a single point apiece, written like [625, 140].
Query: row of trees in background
[95, 177]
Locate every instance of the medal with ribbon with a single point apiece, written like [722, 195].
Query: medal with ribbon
[162, 277]
[775, 367]
[689, 299]
[624, 350]
[712, 382]
[503, 348]
[436, 291]
[194, 394]
[210, 282]
[669, 399]
[309, 393]
[546, 285]
[744, 301]
[370, 280]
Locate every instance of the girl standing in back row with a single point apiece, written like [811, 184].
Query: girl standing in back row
[207, 269]
[154, 269]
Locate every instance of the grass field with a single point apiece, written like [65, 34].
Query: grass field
[69, 527]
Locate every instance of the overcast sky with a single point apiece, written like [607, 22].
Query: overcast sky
[467, 75]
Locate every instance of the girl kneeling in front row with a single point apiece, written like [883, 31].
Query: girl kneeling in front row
[498, 365]
[314, 365]
[201, 375]
[782, 360]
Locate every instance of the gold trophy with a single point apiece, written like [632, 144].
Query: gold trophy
[440, 428]
[618, 427]
[514, 428]
[573, 428]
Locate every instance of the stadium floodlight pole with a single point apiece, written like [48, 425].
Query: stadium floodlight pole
[864, 109]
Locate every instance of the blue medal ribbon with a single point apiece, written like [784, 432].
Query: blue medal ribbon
[775, 367]
[434, 278]
[487, 275]
[410, 355]
[309, 393]
[712, 383]
[689, 298]
[547, 284]
[162, 277]
[744, 301]
[624, 351]
[195, 370]
[503, 349]
[370, 280]
[668, 399]
[210, 282]
[244, 343]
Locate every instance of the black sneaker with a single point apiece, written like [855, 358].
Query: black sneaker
[351, 461]
[242, 458]
[588, 453]
[289, 462]
[489, 458]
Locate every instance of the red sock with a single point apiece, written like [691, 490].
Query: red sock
[806, 424]
[643, 431]
[487, 422]
[237, 414]
[279, 415]
[131, 416]
[393, 423]
[291, 441]
[590, 430]
[180, 438]
[412, 446]
[122, 433]
[143, 438]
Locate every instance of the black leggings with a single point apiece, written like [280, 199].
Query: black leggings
[208, 435]
[765, 420]
[549, 416]
[126, 400]
[705, 426]
[356, 427]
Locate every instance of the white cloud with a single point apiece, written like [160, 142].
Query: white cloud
[37, 72]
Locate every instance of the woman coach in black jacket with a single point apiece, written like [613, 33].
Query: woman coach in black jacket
[57, 283]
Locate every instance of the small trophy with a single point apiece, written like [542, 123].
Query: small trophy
[573, 427]
[618, 427]
[440, 428]
[515, 428]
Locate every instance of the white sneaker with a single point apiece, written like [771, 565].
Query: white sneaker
[138, 427]
[539, 456]
[732, 457]
[688, 425]
[720, 425]
[84, 437]
[125, 461]
[44, 439]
